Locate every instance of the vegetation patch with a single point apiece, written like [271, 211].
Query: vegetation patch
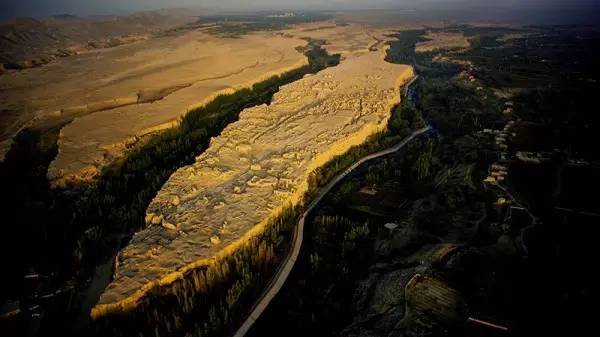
[232, 26]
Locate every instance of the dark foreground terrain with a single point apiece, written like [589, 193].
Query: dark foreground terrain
[486, 228]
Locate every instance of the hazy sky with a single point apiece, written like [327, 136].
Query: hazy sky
[566, 8]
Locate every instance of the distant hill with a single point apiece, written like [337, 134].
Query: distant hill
[28, 42]
[64, 16]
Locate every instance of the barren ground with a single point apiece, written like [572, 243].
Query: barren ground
[347, 40]
[256, 166]
[121, 93]
[29, 42]
[196, 67]
[108, 88]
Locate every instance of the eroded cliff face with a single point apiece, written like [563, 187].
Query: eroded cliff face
[255, 167]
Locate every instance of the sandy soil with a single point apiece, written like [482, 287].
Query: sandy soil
[442, 40]
[348, 40]
[257, 165]
[28, 42]
[187, 69]
[121, 93]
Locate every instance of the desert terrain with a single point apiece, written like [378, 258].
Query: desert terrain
[130, 90]
[28, 42]
[185, 72]
[31, 42]
[345, 39]
[255, 167]
[136, 89]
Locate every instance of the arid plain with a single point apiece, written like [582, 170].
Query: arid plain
[124, 92]
[117, 95]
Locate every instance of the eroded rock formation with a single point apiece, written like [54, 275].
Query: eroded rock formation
[256, 166]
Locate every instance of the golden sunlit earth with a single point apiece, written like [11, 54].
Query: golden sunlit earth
[256, 166]
[299, 168]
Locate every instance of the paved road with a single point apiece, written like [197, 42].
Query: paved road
[406, 92]
[534, 220]
[287, 265]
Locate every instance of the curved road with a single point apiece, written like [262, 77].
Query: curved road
[286, 266]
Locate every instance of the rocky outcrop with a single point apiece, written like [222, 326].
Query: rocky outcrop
[255, 167]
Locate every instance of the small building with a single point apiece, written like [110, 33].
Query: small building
[516, 219]
[391, 226]
[490, 180]
[534, 157]
[508, 108]
[498, 167]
